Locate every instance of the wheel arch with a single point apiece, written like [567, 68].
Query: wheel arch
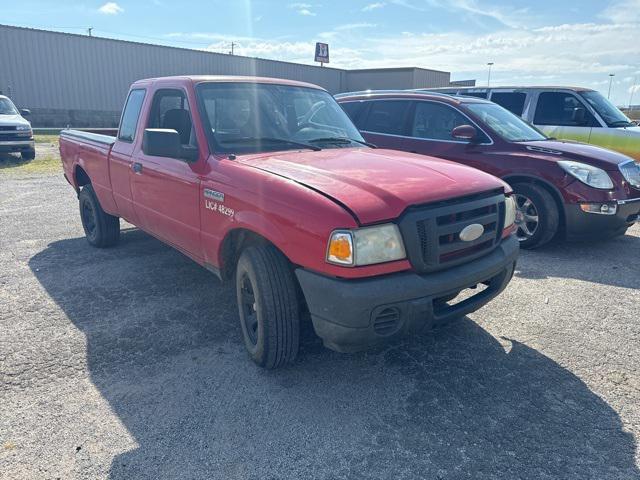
[555, 193]
[80, 177]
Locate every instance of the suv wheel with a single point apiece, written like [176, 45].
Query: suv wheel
[268, 306]
[537, 215]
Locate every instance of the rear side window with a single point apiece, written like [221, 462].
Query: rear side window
[354, 110]
[387, 116]
[562, 109]
[512, 101]
[130, 116]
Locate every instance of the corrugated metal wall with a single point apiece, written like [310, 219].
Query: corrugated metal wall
[78, 80]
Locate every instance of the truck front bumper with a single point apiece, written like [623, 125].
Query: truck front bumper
[588, 226]
[352, 315]
[16, 146]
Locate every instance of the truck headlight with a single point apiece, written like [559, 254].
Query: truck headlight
[23, 128]
[366, 246]
[509, 211]
[593, 176]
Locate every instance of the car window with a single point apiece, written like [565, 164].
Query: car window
[130, 115]
[563, 109]
[512, 101]
[354, 110]
[435, 121]
[387, 116]
[475, 94]
[170, 109]
[7, 107]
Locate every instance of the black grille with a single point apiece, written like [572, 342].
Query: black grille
[8, 137]
[386, 321]
[432, 232]
[8, 128]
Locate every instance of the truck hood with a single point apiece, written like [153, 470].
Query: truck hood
[11, 120]
[376, 184]
[575, 151]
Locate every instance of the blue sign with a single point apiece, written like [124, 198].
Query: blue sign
[322, 52]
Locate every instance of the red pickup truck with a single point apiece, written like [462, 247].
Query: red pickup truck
[268, 183]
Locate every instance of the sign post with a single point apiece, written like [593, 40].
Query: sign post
[322, 53]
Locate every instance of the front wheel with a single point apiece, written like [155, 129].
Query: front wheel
[101, 229]
[28, 154]
[537, 216]
[268, 306]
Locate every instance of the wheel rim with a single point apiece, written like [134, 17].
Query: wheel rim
[527, 218]
[249, 309]
[89, 218]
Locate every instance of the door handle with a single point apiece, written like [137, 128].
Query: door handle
[136, 167]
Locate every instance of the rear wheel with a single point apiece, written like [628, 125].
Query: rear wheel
[537, 216]
[101, 229]
[268, 306]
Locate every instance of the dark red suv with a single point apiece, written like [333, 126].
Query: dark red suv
[563, 188]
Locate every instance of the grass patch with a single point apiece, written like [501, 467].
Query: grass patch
[51, 139]
[42, 164]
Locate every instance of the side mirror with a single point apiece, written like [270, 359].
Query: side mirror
[163, 142]
[464, 132]
[25, 112]
[579, 116]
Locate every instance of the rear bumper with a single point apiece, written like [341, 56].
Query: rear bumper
[351, 315]
[16, 145]
[587, 226]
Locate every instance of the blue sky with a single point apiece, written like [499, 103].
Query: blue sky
[542, 42]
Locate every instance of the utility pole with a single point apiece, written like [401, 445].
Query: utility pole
[232, 48]
[89, 31]
[633, 87]
[489, 76]
[611, 75]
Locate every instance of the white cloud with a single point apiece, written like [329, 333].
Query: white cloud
[303, 9]
[373, 6]
[623, 11]
[352, 26]
[111, 8]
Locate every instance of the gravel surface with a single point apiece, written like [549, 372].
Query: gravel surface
[128, 363]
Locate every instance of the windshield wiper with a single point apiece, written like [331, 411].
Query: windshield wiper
[621, 123]
[344, 140]
[315, 148]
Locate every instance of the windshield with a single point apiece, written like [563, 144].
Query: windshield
[509, 126]
[255, 117]
[7, 107]
[611, 114]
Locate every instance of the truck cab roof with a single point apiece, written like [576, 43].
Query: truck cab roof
[195, 79]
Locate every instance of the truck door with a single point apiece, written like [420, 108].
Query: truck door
[120, 158]
[564, 116]
[166, 190]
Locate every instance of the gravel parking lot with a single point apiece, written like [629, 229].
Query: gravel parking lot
[128, 363]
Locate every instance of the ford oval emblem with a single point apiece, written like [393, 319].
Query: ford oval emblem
[471, 232]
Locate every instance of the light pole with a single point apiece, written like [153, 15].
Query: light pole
[489, 76]
[633, 87]
[611, 75]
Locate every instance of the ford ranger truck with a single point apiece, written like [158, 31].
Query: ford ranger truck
[16, 135]
[267, 183]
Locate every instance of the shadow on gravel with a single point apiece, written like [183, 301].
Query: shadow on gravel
[8, 160]
[608, 262]
[164, 349]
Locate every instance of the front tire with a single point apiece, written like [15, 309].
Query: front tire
[537, 215]
[28, 154]
[101, 229]
[268, 306]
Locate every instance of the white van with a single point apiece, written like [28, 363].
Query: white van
[572, 113]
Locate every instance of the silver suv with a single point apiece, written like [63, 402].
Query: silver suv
[15, 131]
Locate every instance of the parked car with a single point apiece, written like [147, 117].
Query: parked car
[561, 187]
[15, 130]
[268, 183]
[569, 113]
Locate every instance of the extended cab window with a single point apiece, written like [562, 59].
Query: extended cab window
[512, 101]
[130, 115]
[387, 116]
[170, 109]
[562, 109]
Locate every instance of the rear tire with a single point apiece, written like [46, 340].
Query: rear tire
[537, 215]
[28, 154]
[101, 229]
[268, 306]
